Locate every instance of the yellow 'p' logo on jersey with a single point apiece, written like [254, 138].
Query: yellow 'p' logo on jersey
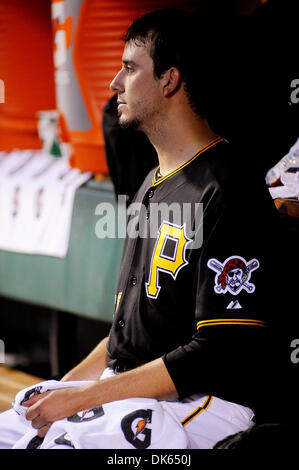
[162, 262]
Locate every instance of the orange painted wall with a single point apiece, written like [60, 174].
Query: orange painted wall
[27, 68]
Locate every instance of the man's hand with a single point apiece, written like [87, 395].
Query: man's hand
[151, 380]
[48, 407]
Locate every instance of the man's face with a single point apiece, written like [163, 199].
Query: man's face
[139, 93]
[234, 278]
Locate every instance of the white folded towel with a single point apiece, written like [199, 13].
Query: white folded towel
[39, 388]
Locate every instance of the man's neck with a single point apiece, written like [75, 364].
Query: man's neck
[176, 144]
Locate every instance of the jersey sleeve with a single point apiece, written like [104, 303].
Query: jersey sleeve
[230, 354]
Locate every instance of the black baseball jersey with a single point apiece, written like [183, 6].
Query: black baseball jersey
[195, 278]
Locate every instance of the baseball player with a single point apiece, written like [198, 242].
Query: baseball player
[187, 359]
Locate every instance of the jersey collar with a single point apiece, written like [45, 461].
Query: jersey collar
[156, 181]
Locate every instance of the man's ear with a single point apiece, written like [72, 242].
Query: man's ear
[171, 81]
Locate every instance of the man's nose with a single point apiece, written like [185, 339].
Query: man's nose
[116, 84]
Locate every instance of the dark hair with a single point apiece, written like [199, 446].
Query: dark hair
[170, 34]
[179, 38]
[162, 30]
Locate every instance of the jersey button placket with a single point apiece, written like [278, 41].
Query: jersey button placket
[133, 282]
[150, 195]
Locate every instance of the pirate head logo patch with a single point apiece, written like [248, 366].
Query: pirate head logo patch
[233, 275]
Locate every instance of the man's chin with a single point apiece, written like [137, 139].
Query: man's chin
[128, 123]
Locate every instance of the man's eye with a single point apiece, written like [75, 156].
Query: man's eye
[128, 68]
